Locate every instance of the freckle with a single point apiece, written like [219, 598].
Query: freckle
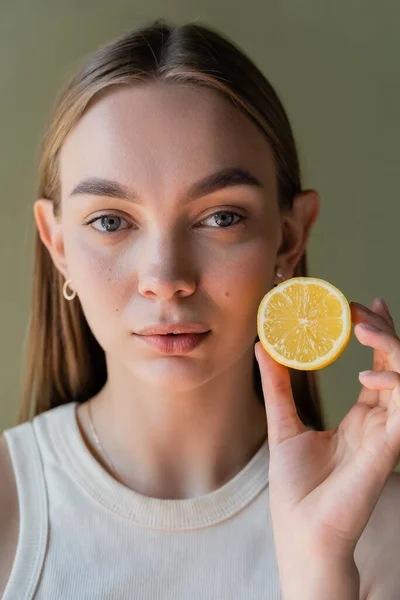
[109, 279]
[117, 309]
[227, 294]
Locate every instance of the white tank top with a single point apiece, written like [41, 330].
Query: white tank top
[83, 535]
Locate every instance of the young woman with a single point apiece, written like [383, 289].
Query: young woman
[169, 202]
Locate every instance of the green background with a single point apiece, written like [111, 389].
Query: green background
[335, 66]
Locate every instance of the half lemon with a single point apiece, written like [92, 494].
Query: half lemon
[304, 323]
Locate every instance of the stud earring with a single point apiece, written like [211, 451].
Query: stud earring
[280, 276]
[66, 295]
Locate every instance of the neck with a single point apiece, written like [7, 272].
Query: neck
[178, 444]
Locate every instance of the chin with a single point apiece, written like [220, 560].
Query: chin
[178, 373]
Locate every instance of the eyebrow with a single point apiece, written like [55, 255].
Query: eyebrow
[228, 177]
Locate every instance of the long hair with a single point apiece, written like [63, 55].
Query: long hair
[64, 361]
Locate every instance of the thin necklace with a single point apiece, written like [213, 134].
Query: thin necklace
[99, 445]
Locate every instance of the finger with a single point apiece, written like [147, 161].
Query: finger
[282, 418]
[379, 317]
[387, 343]
[386, 380]
[362, 314]
[369, 397]
[379, 306]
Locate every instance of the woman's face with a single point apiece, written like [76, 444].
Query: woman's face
[176, 242]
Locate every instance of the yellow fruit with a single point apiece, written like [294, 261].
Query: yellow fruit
[304, 323]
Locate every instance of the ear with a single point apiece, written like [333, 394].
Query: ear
[50, 231]
[296, 225]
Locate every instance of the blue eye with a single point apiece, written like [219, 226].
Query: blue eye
[109, 223]
[224, 218]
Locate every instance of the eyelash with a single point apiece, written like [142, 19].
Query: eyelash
[110, 215]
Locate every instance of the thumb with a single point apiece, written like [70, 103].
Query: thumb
[282, 419]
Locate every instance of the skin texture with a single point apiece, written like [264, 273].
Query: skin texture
[168, 422]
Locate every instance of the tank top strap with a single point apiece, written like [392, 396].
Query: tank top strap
[33, 512]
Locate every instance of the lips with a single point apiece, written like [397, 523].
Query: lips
[174, 328]
[174, 344]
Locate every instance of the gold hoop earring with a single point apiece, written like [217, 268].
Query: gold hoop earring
[280, 276]
[65, 291]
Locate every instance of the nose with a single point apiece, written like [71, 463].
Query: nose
[167, 270]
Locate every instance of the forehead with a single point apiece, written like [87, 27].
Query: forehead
[160, 138]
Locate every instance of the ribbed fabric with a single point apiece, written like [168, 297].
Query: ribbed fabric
[84, 535]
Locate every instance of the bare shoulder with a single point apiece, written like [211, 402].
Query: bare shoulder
[9, 515]
[378, 550]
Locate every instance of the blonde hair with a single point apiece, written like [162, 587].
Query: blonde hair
[64, 361]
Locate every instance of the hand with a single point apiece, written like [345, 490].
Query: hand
[324, 484]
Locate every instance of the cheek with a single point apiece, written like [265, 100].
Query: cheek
[96, 275]
[241, 269]
[241, 273]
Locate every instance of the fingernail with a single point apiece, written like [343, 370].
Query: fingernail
[369, 327]
[365, 372]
